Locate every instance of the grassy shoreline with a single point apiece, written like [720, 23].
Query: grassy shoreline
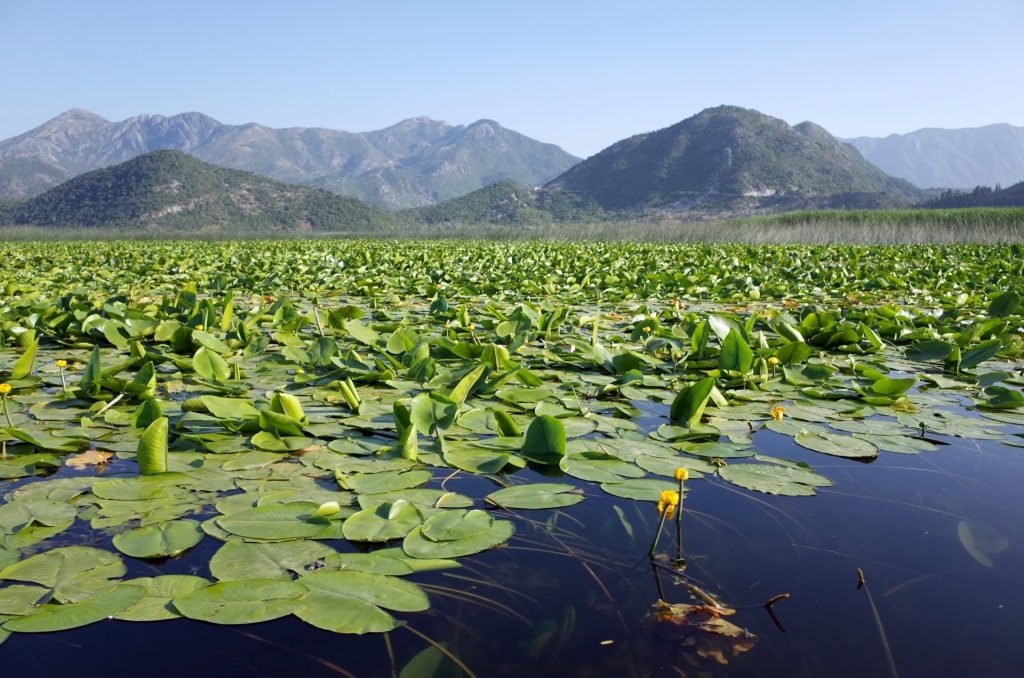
[979, 225]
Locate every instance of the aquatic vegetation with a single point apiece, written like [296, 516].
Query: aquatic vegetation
[331, 420]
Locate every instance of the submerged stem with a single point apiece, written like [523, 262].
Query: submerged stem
[862, 584]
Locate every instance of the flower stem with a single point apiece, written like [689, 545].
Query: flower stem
[679, 529]
[657, 535]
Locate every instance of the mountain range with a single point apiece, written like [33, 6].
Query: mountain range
[722, 162]
[950, 158]
[415, 162]
[420, 161]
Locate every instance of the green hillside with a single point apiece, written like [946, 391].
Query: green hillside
[174, 192]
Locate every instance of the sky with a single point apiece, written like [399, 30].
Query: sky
[579, 74]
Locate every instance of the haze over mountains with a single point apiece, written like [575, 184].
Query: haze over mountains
[950, 158]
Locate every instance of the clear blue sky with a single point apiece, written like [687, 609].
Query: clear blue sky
[580, 74]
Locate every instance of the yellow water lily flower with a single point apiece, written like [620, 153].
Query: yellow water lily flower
[667, 502]
[778, 412]
[682, 474]
[62, 363]
[5, 388]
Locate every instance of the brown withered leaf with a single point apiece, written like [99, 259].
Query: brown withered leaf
[88, 458]
[711, 636]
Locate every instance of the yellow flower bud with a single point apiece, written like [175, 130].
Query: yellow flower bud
[778, 412]
[667, 502]
[773, 361]
[62, 363]
[682, 474]
[5, 388]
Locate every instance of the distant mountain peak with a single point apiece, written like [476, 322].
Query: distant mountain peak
[728, 157]
[414, 162]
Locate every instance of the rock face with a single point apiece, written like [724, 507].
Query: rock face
[729, 156]
[950, 158]
[416, 162]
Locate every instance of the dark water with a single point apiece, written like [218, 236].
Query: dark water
[584, 591]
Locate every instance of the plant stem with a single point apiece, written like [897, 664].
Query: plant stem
[3, 404]
[680, 562]
[657, 535]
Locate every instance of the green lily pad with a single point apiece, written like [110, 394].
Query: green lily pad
[160, 591]
[75, 573]
[277, 522]
[282, 560]
[351, 602]
[387, 481]
[159, 541]
[791, 481]
[53, 617]
[384, 522]
[249, 601]
[836, 445]
[536, 496]
[641, 489]
[482, 532]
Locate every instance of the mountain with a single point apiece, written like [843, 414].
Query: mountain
[169, 191]
[733, 160]
[508, 203]
[416, 162]
[950, 158]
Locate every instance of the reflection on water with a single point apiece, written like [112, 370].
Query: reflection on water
[574, 593]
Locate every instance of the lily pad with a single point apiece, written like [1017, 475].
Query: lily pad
[351, 602]
[481, 532]
[156, 605]
[536, 496]
[278, 522]
[791, 481]
[159, 541]
[53, 617]
[242, 602]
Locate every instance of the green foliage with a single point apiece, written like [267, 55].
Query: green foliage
[171, 191]
[729, 157]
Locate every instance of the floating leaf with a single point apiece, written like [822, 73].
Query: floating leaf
[52, 617]
[278, 522]
[384, 522]
[481, 533]
[641, 489]
[836, 445]
[159, 541]
[535, 496]
[242, 602]
[282, 560]
[351, 602]
[160, 591]
[75, 573]
[790, 481]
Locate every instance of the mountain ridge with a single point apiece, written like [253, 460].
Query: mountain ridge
[963, 158]
[729, 157]
[414, 162]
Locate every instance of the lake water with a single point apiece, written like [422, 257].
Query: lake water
[573, 594]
